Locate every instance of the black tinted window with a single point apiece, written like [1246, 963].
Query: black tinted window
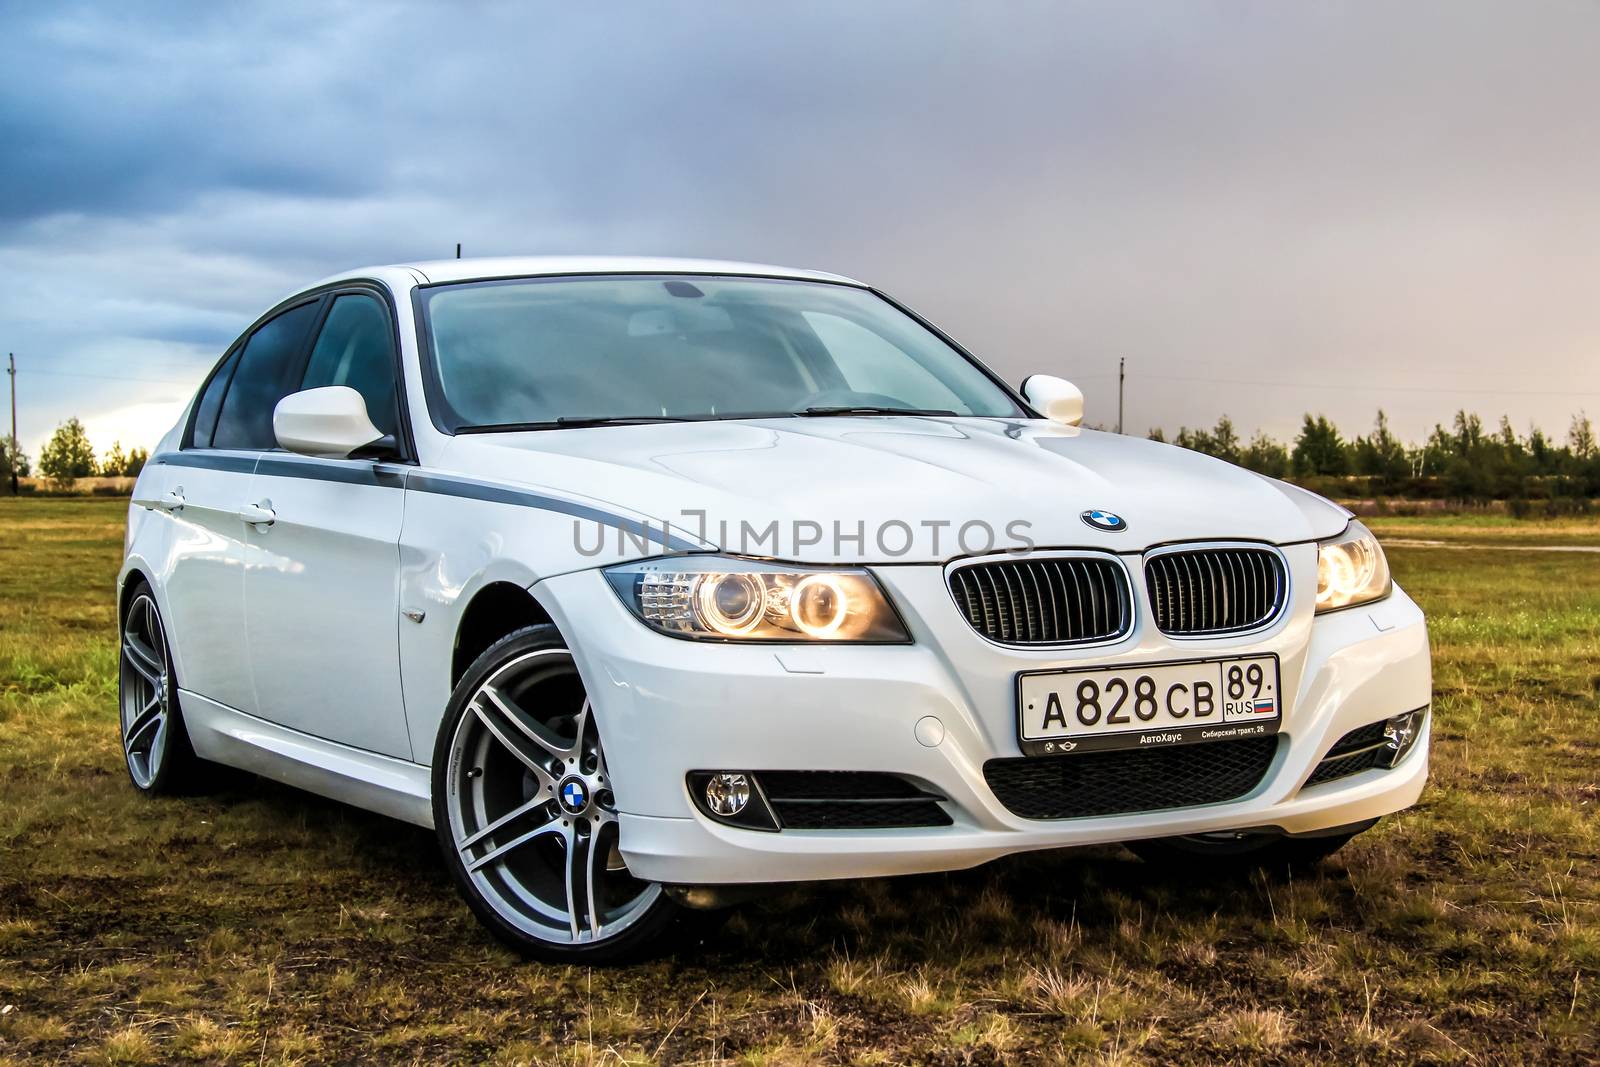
[355, 349]
[261, 381]
[205, 415]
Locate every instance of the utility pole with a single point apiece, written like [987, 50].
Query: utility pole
[1122, 373]
[12, 371]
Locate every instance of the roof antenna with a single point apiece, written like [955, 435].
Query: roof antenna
[458, 249]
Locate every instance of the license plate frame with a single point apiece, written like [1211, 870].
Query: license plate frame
[1087, 738]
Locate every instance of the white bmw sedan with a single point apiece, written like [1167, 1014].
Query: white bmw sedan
[646, 581]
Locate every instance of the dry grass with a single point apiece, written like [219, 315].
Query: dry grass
[261, 925]
[1486, 529]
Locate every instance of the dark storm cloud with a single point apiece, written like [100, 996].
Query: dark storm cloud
[1266, 208]
[116, 108]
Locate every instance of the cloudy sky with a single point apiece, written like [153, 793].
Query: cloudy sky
[1266, 208]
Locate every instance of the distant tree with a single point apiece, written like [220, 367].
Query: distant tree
[1582, 460]
[1381, 456]
[1580, 438]
[1471, 464]
[1464, 461]
[119, 464]
[1436, 451]
[68, 455]
[1507, 437]
[1225, 440]
[1468, 432]
[1221, 441]
[12, 456]
[1319, 449]
[1543, 454]
[113, 463]
[1265, 456]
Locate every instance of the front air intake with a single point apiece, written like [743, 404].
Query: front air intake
[848, 800]
[1129, 780]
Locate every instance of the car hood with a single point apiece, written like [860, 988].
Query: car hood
[897, 488]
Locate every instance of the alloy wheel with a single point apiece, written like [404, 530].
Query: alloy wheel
[531, 809]
[146, 690]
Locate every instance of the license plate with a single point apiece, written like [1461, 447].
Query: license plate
[1156, 705]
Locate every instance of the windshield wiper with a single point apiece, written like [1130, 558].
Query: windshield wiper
[617, 420]
[571, 421]
[568, 422]
[868, 409]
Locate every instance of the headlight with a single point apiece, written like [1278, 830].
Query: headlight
[728, 599]
[1351, 569]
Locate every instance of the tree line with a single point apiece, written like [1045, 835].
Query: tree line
[1465, 461]
[68, 456]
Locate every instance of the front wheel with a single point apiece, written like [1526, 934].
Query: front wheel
[1237, 853]
[524, 806]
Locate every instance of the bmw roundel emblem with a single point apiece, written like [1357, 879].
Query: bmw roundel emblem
[1104, 520]
[574, 797]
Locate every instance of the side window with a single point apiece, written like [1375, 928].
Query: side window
[261, 380]
[205, 415]
[355, 348]
[870, 363]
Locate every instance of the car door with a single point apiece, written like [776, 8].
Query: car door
[202, 487]
[321, 592]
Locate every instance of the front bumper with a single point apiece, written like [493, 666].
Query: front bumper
[668, 706]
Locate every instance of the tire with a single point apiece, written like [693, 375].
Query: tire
[1235, 855]
[525, 815]
[155, 744]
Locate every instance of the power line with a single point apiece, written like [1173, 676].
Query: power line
[118, 377]
[1370, 388]
[93, 360]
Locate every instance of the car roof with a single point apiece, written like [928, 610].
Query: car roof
[460, 270]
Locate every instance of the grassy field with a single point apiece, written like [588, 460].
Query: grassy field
[263, 925]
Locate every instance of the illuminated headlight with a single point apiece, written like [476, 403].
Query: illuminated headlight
[1351, 569]
[729, 599]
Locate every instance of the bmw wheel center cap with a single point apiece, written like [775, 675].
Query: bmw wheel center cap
[574, 796]
[1104, 520]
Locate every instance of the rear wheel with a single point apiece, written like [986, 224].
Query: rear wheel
[1225, 853]
[525, 811]
[155, 745]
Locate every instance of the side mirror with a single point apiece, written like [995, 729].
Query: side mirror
[329, 423]
[1055, 398]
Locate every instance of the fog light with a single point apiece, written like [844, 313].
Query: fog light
[1402, 731]
[727, 794]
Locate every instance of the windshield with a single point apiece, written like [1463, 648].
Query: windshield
[552, 351]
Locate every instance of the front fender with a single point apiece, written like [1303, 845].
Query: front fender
[461, 536]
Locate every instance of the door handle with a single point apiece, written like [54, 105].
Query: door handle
[258, 514]
[172, 501]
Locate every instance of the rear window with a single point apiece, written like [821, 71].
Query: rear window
[205, 415]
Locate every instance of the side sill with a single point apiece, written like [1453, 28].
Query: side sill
[394, 787]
